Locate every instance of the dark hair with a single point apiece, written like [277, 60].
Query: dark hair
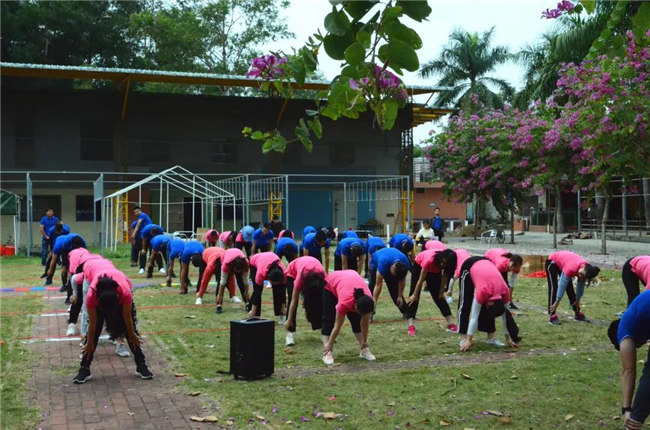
[450, 256]
[239, 264]
[77, 242]
[365, 304]
[407, 245]
[497, 309]
[196, 259]
[213, 234]
[514, 258]
[320, 236]
[275, 274]
[266, 226]
[426, 221]
[58, 227]
[356, 249]
[312, 290]
[137, 207]
[288, 233]
[109, 307]
[155, 231]
[400, 270]
[341, 236]
[49, 209]
[591, 271]
[612, 333]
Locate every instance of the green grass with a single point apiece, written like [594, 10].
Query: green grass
[416, 382]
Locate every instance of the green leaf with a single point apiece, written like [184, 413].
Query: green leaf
[246, 131]
[397, 30]
[351, 72]
[357, 9]
[417, 10]
[354, 54]
[308, 57]
[316, 127]
[335, 2]
[335, 46]
[390, 113]
[280, 143]
[641, 21]
[311, 112]
[363, 37]
[392, 12]
[278, 86]
[401, 55]
[268, 146]
[337, 22]
[297, 68]
[589, 5]
[257, 135]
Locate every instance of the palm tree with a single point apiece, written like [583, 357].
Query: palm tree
[463, 65]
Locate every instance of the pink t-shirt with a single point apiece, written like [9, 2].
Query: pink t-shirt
[83, 259]
[641, 267]
[240, 237]
[461, 256]
[435, 245]
[495, 255]
[124, 296]
[225, 237]
[301, 267]
[92, 268]
[261, 263]
[488, 283]
[284, 233]
[208, 237]
[229, 256]
[342, 284]
[425, 260]
[568, 262]
[74, 256]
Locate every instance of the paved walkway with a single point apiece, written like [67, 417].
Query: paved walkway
[115, 398]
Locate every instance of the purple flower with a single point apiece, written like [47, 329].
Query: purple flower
[353, 84]
[267, 67]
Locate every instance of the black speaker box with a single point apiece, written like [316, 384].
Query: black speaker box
[252, 348]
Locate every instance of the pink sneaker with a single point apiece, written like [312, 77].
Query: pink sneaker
[452, 328]
[411, 330]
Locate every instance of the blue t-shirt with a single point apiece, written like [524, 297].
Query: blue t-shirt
[309, 243]
[373, 244]
[159, 242]
[53, 234]
[635, 322]
[350, 233]
[175, 248]
[261, 239]
[146, 232]
[396, 241]
[382, 259]
[192, 247]
[343, 248]
[63, 244]
[47, 223]
[307, 230]
[145, 222]
[286, 245]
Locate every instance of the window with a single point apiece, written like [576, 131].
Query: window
[40, 204]
[223, 153]
[84, 208]
[96, 140]
[342, 154]
[419, 191]
[155, 152]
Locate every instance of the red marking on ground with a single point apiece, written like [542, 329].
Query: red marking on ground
[540, 274]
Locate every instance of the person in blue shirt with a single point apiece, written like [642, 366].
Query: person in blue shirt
[438, 224]
[373, 244]
[244, 239]
[348, 233]
[175, 249]
[349, 254]
[404, 243]
[312, 245]
[308, 229]
[47, 222]
[192, 248]
[632, 331]
[287, 248]
[142, 220]
[390, 265]
[262, 238]
[158, 253]
[148, 232]
[62, 246]
[135, 251]
[57, 230]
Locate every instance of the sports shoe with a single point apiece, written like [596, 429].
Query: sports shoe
[122, 350]
[48, 281]
[235, 299]
[282, 320]
[581, 317]
[83, 375]
[67, 301]
[411, 330]
[367, 355]
[620, 314]
[143, 371]
[141, 271]
[198, 301]
[289, 340]
[513, 306]
[450, 300]
[162, 270]
[44, 275]
[62, 289]
[219, 310]
[328, 359]
[452, 328]
[554, 320]
[494, 341]
[72, 329]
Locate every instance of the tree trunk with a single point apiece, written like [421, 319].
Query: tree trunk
[512, 225]
[476, 220]
[646, 201]
[555, 228]
[603, 239]
[558, 210]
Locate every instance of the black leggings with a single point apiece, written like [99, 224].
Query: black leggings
[552, 276]
[631, 282]
[353, 262]
[435, 287]
[486, 323]
[329, 315]
[279, 297]
[392, 283]
[245, 245]
[641, 405]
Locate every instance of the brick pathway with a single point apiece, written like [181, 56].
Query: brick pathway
[115, 398]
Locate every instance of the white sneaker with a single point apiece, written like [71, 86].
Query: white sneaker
[367, 355]
[289, 340]
[72, 329]
[198, 301]
[282, 320]
[328, 359]
[162, 270]
[494, 341]
[141, 271]
[122, 350]
[235, 299]
[450, 300]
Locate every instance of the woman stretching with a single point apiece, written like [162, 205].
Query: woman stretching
[305, 275]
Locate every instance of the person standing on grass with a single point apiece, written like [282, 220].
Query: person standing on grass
[313, 245]
[142, 220]
[227, 239]
[47, 222]
[286, 233]
[632, 331]
[461, 256]
[276, 226]
[635, 270]
[158, 254]
[135, 245]
[349, 254]
[266, 266]
[63, 245]
[211, 238]
[391, 265]
[209, 263]
[191, 248]
[425, 234]
[506, 262]
[148, 233]
[234, 265]
[483, 295]
[262, 239]
[404, 243]
[304, 275]
[109, 300]
[566, 265]
[372, 245]
[286, 247]
[346, 295]
[436, 268]
[59, 229]
[308, 229]
[438, 224]
[175, 249]
[244, 239]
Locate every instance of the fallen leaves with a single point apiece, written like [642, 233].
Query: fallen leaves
[195, 393]
[180, 375]
[568, 417]
[495, 413]
[328, 415]
[207, 419]
[444, 423]
[190, 316]
[466, 376]
[506, 420]
[288, 350]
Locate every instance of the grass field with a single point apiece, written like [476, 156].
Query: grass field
[559, 377]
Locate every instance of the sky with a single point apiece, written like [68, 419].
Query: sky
[516, 24]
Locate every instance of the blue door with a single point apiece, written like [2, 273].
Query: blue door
[309, 207]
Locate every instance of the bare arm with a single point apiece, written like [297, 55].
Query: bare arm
[344, 262]
[362, 260]
[418, 286]
[170, 269]
[327, 260]
[295, 298]
[338, 323]
[379, 282]
[136, 229]
[628, 372]
[365, 325]
[55, 259]
[42, 228]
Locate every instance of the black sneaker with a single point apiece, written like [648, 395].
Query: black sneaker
[513, 306]
[581, 317]
[44, 275]
[83, 375]
[554, 320]
[63, 289]
[219, 310]
[143, 372]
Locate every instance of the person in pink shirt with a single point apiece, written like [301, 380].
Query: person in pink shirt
[435, 245]
[210, 259]
[227, 239]
[346, 295]
[211, 238]
[565, 265]
[266, 266]
[461, 256]
[437, 268]
[483, 295]
[109, 300]
[286, 233]
[506, 262]
[635, 270]
[234, 265]
[304, 275]
[76, 257]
